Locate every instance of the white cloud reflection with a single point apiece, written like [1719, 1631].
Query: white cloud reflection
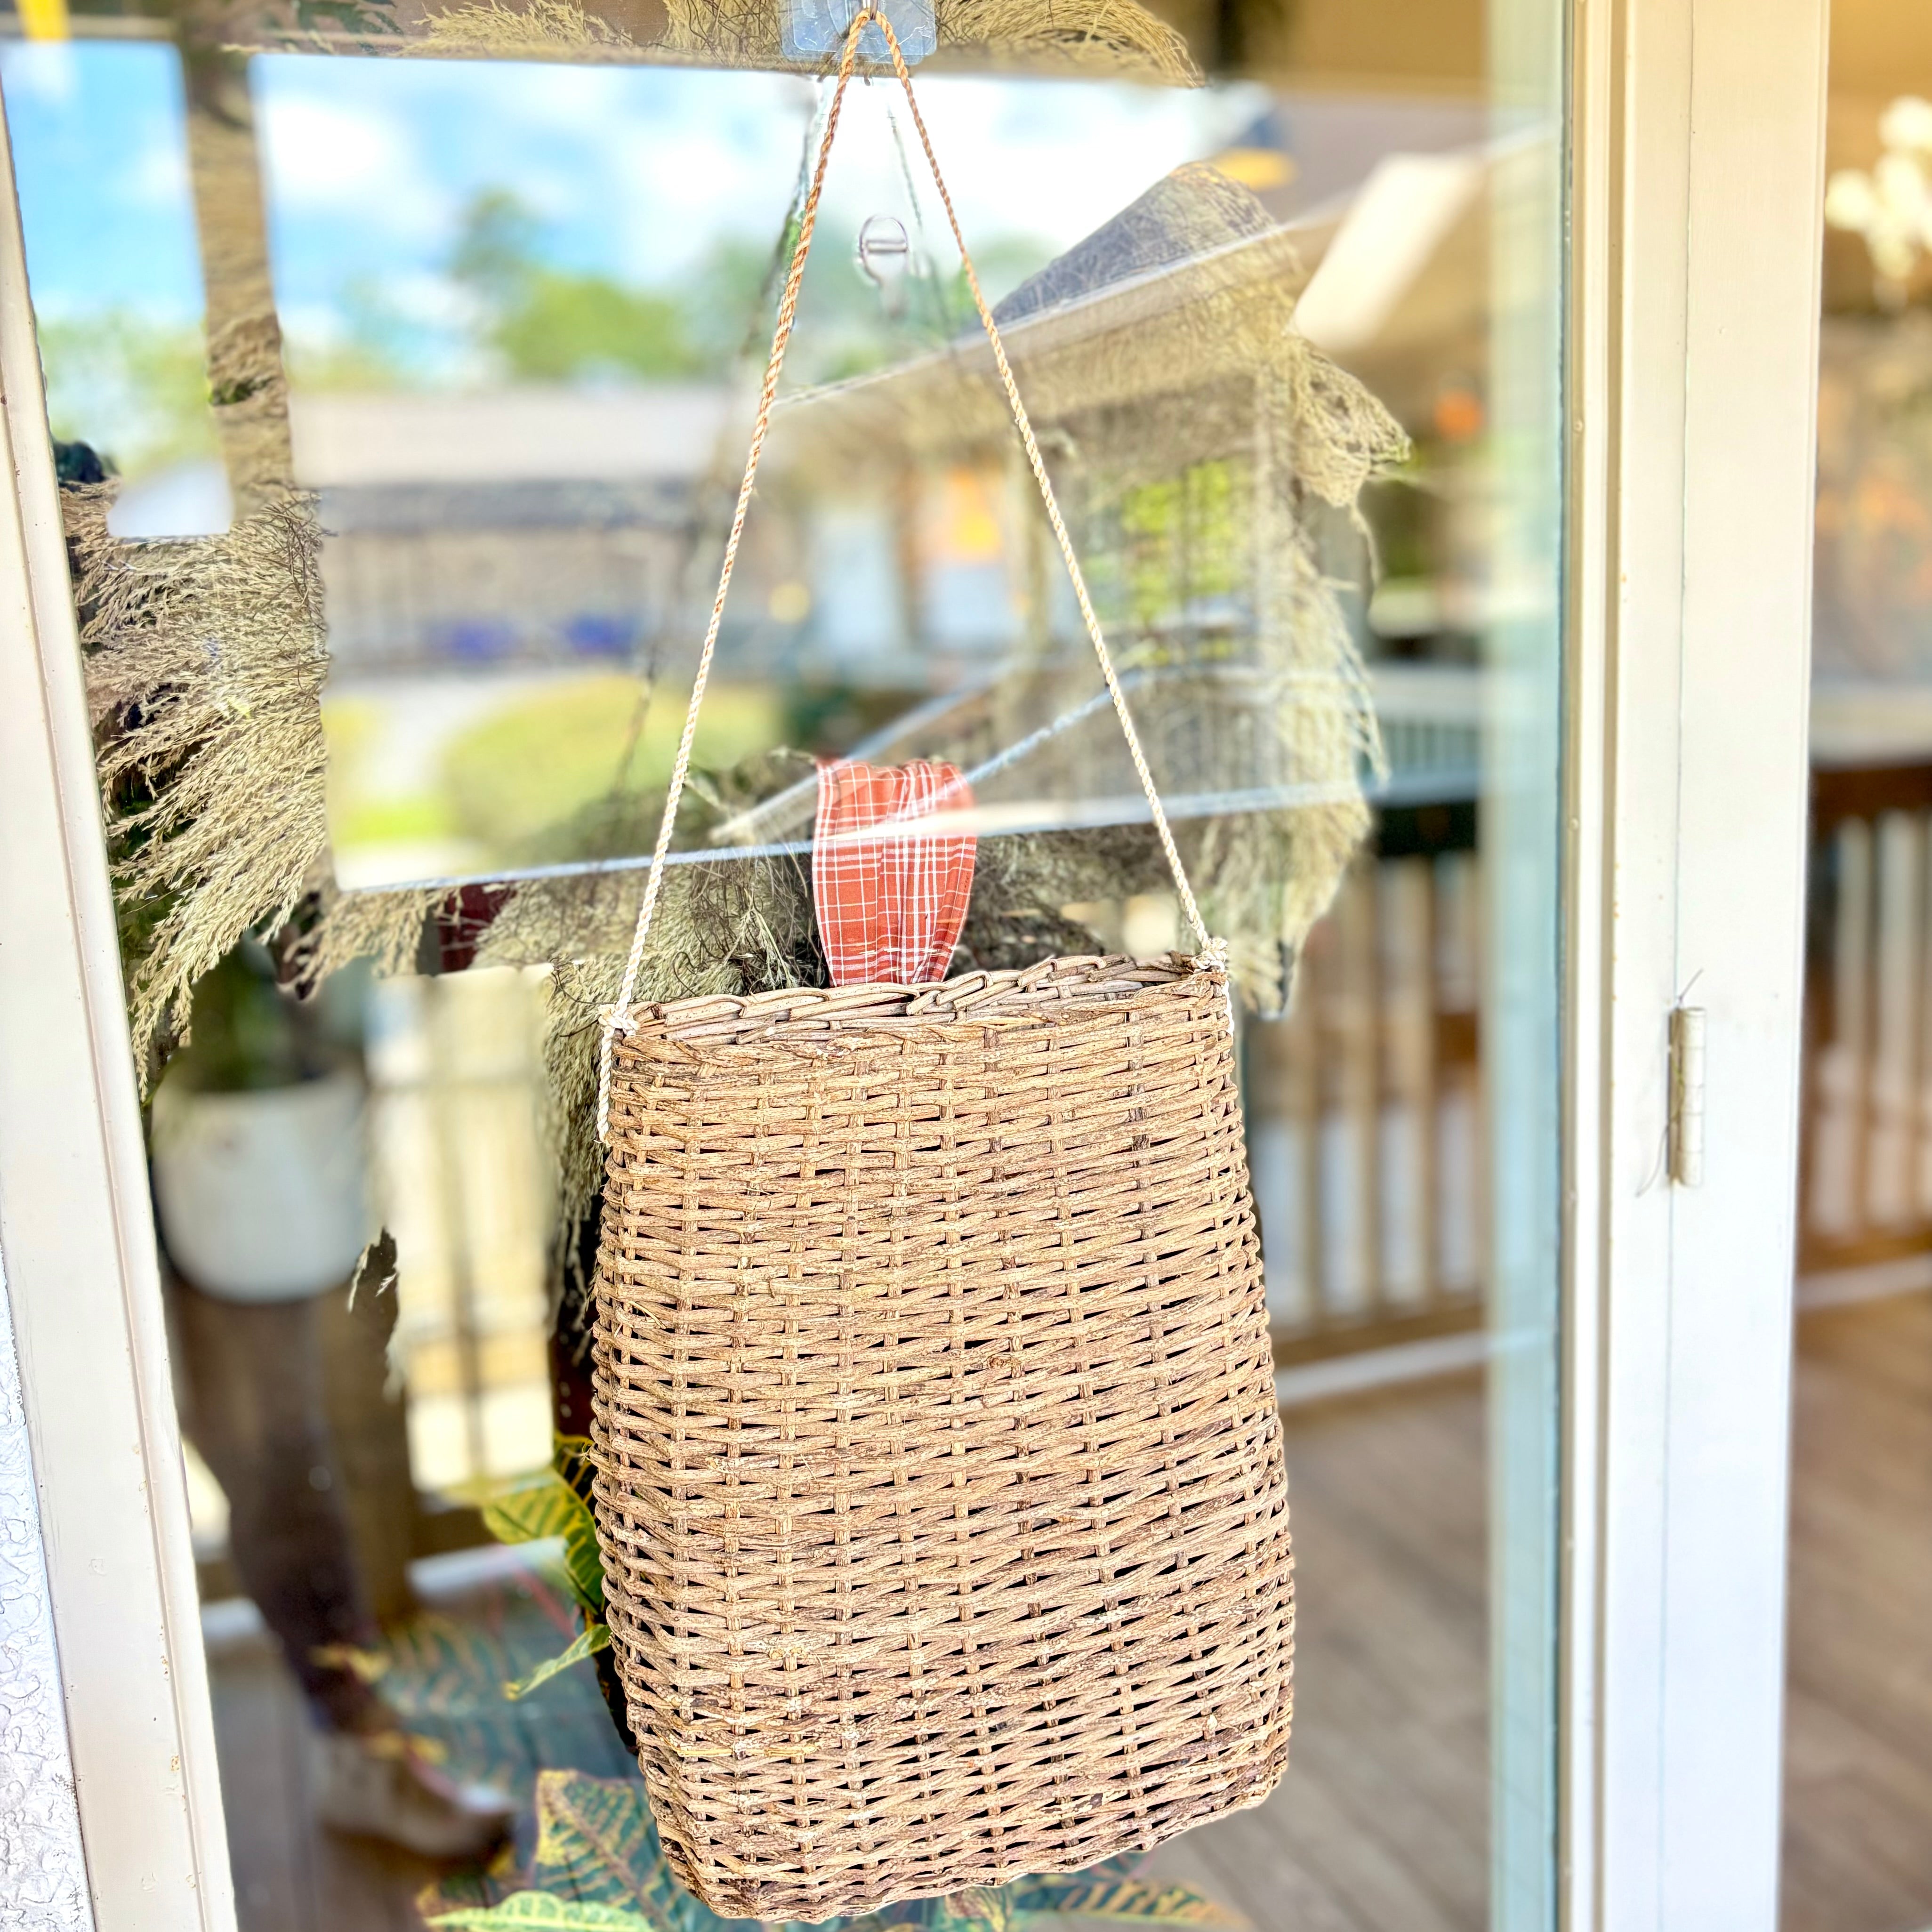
[643, 170]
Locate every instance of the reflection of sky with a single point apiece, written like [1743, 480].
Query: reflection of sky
[640, 172]
[637, 171]
[98, 152]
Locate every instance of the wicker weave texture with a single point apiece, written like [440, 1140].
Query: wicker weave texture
[940, 1484]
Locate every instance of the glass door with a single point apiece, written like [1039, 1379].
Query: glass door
[397, 366]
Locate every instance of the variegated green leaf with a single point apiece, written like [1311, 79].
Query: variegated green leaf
[594, 1637]
[537, 1507]
[542, 1911]
[976, 1908]
[530, 1508]
[598, 1847]
[570, 1457]
[1138, 1901]
[584, 1557]
[596, 1839]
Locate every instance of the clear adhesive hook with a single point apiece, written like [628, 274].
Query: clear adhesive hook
[815, 28]
[885, 257]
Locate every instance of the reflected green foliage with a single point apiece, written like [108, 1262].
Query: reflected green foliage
[376, 350]
[550, 324]
[564, 326]
[1184, 540]
[521, 314]
[845, 330]
[545, 323]
[135, 388]
[515, 777]
[599, 1867]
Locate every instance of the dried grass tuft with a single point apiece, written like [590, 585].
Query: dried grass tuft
[540, 30]
[204, 663]
[338, 928]
[736, 926]
[1115, 37]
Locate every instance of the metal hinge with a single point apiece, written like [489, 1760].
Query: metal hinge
[1686, 1095]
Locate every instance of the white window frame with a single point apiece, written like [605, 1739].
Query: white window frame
[77, 1238]
[1695, 147]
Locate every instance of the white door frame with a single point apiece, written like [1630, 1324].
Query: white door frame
[1696, 146]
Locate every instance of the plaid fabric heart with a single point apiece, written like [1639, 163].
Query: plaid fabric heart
[890, 908]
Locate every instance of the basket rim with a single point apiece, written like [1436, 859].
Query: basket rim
[1008, 993]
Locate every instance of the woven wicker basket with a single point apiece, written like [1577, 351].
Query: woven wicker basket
[940, 1486]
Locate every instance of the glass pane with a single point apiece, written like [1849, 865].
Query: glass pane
[1857, 1840]
[401, 369]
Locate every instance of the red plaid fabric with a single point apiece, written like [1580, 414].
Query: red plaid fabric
[890, 908]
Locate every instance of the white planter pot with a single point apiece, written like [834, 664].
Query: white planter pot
[261, 1195]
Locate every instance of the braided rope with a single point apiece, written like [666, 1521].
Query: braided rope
[618, 1017]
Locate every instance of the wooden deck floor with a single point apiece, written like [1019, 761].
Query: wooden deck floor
[290, 1876]
[1858, 1782]
[1381, 1824]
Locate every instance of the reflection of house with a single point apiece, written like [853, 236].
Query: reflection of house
[551, 526]
[1202, 451]
[517, 527]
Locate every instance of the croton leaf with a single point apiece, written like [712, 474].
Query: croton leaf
[598, 1853]
[543, 1912]
[546, 1504]
[1139, 1901]
[583, 1557]
[594, 1638]
[977, 1908]
[596, 1839]
[531, 1508]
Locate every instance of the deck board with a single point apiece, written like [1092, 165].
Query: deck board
[1380, 1824]
[1857, 1834]
[290, 1876]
